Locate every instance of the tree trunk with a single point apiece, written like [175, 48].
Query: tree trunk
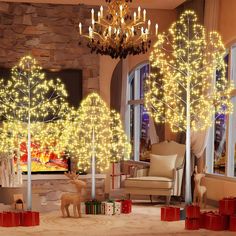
[188, 195]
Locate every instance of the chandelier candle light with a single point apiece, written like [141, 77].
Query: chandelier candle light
[118, 33]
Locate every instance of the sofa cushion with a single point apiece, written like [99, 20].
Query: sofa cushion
[162, 165]
[149, 182]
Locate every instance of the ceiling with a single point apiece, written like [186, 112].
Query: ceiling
[149, 4]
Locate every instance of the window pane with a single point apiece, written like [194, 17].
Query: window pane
[144, 72]
[220, 133]
[145, 143]
[220, 144]
[132, 130]
[233, 63]
[232, 141]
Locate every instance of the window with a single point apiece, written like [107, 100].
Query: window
[138, 119]
[221, 147]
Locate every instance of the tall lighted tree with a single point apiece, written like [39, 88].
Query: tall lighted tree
[32, 101]
[101, 139]
[183, 90]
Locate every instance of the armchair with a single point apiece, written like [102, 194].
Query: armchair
[163, 176]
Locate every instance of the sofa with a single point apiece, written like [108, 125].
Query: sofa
[162, 176]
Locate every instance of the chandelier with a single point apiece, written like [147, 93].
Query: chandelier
[118, 33]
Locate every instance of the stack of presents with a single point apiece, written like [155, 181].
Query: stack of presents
[222, 219]
[109, 207]
[22, 218]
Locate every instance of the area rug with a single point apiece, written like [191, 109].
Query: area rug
[143, 221]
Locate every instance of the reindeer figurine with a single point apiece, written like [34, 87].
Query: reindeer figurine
[72, 198]
[200, 191]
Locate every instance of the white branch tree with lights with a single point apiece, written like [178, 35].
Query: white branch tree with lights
[35, 104]
[182, 89]
[100, 138]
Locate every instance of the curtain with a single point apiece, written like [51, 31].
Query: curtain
[199, 142]
[152, 131]
[116, 88]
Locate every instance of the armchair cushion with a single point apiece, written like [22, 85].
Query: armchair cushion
[149, 182]
[162, 165]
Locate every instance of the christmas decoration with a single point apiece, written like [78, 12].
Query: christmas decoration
[30, 106]
[182, 90]
[101, 137]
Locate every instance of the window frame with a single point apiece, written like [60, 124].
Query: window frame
[229, 170]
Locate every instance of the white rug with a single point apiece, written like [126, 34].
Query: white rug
[144, 220]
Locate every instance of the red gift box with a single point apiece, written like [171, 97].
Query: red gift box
[10, 219]
[30, 218]
[192, 211]
[126, 206]
[227, 206]
[202, 222]
[232, 224]
[192, 224]
[216, 222]
[170, 213]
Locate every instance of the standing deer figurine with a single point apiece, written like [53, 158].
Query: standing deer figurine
[72, 198]
[200, 191]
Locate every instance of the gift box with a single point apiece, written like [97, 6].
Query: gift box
[227, 206]
[108, 208]
[117, 209]
[93, 207]
[216, 222]
[202, 220]
[10, 219]
[232, 224]
[29, 218]
[126, 206]
[170, 213]
[192, 211]
[82, 208]
[115, 175]
[192, 224]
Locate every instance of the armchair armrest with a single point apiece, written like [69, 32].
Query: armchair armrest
[142, 172]
[177, 179]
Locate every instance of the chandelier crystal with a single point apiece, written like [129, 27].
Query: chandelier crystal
[118, 33]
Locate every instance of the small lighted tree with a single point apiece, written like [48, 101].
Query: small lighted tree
[34, 103]
[100, 138]
[182, 90]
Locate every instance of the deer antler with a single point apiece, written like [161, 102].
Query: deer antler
[71, 175]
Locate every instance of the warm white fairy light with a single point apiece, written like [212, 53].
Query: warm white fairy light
[30, 104]
[181, 91]
[110, 142]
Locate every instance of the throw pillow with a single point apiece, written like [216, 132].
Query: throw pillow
[162, 165]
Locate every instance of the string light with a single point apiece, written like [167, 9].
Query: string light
[182, 89]
[187, 57]
[31, 106]
[110, 142]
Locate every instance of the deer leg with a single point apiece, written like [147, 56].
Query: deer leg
[67, 210]
[194, 197]
[63, 210]
[79, 210]
[74, 209]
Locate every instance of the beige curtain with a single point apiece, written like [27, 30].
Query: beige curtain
[199, 142]
[152, 131]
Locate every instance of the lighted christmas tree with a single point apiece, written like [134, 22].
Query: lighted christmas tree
[36, 105]
[101, 139]
[182, 89]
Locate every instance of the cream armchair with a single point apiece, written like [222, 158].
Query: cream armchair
[163, 176]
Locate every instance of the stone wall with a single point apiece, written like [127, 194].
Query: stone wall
[46, 32]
